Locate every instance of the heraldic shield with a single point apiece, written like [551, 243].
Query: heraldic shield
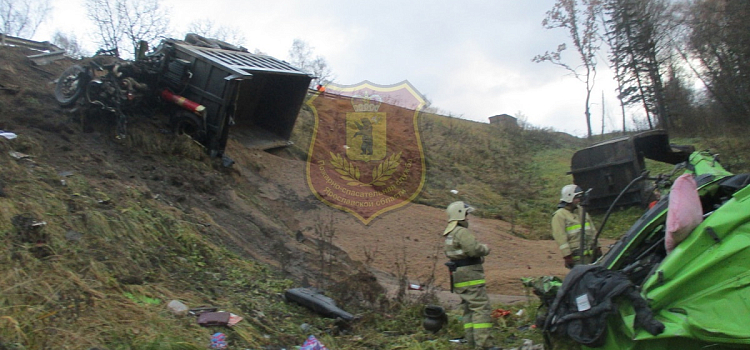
[366, 156]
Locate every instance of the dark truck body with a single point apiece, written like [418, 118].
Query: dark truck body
[258, 96]
[608, 167]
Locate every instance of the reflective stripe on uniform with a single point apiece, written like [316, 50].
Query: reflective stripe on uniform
[468, 283]
[564, 246]
[477, 325]
[586, 252]
[576, 227]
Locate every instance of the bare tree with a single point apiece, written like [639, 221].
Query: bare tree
[582, 31]
[125, 23]
[22, 18]
[144, 20]
[301, 56]
[69, 43]
[105, 16]
[209, 29]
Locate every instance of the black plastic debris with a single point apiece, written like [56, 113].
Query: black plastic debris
[314, 300]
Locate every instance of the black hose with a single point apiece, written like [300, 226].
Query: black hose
[643, 175]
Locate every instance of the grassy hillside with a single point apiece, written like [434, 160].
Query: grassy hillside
[515, 174]
[91, 259]
[100, 235]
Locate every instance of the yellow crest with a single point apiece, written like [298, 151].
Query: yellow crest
[366, 156]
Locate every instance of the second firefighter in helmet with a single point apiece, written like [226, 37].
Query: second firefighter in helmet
[573, 237]
[466, 256]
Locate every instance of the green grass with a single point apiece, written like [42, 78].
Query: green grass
[512, 174]
[109, 287]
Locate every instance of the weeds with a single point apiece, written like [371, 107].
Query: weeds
[325, 231]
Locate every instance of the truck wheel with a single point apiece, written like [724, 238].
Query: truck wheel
[70, 85]
[187, 123]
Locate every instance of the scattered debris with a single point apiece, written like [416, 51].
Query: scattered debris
[314, 299]
[500, 313]
[220, 318]
[312, 343]
[528, 344]
[177, 308]
[29, 229]
[53, 52]
[200, 310]
[7, 134]
[18, 155]
[208, 319]
[233, 319]
[434, 318]
[219, 341]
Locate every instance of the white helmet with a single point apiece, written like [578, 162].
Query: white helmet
[457, 211]
[569, 192]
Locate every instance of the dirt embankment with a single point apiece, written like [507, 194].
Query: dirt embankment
[264, 202]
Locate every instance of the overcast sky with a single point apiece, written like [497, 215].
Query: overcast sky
[469, 58]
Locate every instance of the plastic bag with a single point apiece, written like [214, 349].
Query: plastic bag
[685, 211]
[312, 343]
[219, 341]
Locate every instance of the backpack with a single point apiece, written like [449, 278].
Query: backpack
[588, 295]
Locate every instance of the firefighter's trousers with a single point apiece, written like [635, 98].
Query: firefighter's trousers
[477, 316]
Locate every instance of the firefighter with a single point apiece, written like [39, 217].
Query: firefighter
[566, 229]
[466, 256]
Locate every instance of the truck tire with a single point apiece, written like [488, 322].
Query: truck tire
[187, 123]
[70, 85]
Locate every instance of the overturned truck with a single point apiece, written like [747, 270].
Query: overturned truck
[204, 86]
[608, 168]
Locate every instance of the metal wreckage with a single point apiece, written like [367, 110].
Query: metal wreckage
[678, 278]
[204, 86]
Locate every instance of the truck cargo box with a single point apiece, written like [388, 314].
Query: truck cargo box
[258, 97]
[608, 167]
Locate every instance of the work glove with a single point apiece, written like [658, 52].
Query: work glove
[487, 249]
[568, 261]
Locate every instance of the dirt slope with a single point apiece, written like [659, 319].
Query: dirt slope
[409, 236]
[263, 202]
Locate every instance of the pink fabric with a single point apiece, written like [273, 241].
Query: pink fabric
[685, 211]
[311, 343]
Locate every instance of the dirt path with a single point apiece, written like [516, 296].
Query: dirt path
[408, 240]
